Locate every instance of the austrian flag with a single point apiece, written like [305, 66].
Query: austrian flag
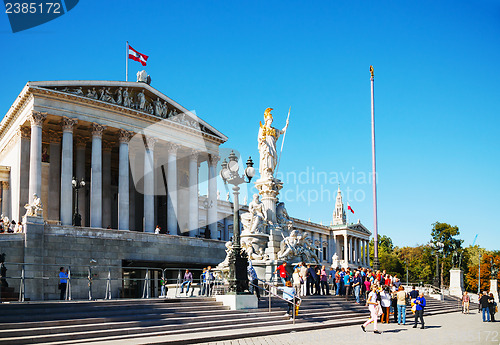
[136, 56]
[350, 208]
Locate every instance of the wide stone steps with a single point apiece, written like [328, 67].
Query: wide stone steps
[173, 321]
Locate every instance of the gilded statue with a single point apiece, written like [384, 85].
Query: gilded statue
[268, 137]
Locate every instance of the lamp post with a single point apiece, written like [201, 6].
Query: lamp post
[77, 218]
[437, 247]
[406, 263]
[479, 276]
[238, 262]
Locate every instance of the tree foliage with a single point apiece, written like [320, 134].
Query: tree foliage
[420, 261]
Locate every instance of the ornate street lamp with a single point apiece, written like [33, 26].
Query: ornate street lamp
[77, 218]
[437, 247]
[238, 262]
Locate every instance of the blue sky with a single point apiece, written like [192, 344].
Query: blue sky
[436, 93]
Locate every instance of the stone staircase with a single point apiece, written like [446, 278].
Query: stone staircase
[172, 321]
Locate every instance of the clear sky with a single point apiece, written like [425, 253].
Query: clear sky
[436, 93]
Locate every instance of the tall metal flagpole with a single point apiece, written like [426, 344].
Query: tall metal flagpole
[126, 62]
[283, 141]
[374, 182]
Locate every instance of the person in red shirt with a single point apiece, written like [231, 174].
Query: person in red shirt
[283, 273]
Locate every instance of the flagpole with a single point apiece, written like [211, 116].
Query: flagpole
[126, 62]
[374, 177]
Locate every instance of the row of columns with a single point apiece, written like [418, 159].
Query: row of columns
[356, 250]
[98, 164]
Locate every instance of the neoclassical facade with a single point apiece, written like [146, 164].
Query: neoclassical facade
[138, 151]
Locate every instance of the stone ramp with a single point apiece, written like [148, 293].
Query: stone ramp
[172, 321]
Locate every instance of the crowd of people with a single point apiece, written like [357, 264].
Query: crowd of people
[381, 292]
[9, 226]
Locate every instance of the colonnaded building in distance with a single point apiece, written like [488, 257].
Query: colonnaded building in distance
[139, 154]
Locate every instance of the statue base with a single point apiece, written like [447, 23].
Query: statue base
[494, 289]
[269, 188]
[456, 282]
[238, 301]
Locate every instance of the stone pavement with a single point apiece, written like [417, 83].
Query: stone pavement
[453, 328]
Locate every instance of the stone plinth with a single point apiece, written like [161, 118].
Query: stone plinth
[456, 282]
[494, 289]
[269, 189]
[33, 257]
[273, 245]
[237, 302]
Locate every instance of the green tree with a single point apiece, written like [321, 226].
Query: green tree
[388, 259]
[445, 233]
[420, 262]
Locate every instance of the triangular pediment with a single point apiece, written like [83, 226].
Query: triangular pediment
[136, 96]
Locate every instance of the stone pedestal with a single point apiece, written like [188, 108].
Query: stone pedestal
[238, 301]
[494, 289]
[273, 245]
[456, 282]
[33, 257]
[269, 189]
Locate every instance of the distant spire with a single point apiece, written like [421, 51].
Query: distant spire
[339, 216]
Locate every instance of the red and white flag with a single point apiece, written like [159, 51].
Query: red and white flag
[136, 56]
[350, 208]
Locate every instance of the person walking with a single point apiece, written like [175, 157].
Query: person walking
[209, 277]
[493, 306]
[297, 281]
[420, 304]
[283, 273]
[373, 306]
[356, 284]
[203, 281]
[311, 278]
[325, 290]
[347, 285]
[338, 282]
[401, 305]
[253, 279]
[63, 283]
[289, 295]
[484, 304]
[465, 303]
[385, 302]
[303, 277]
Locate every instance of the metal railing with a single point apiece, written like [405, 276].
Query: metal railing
[272, 294]
[91, 274]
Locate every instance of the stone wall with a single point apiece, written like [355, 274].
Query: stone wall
[75, 247]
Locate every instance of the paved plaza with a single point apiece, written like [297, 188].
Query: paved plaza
[453, 328]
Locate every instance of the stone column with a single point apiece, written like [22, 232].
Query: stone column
[123, 181]
[193, 193]
[80, 174]
[172, 188]
[6, 199]
[212, 195]
[358, 251]
[35, 185]
[149, 186]
[106, 184]
[96, 177]
[346, 249]
[362, 253]
[67, 170]
[367, 253]
[131, 189]
[351, 258]
[53, 208]
[24, 169]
